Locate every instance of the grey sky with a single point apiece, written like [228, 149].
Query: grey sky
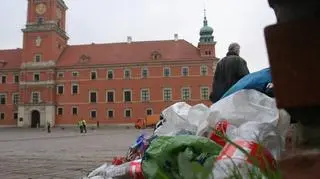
[106, 21]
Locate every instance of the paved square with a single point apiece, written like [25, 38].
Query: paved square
[33, 153]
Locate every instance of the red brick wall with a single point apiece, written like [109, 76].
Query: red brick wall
[155, 82]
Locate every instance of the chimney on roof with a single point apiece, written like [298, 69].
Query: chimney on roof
[176, 37]
[129, 39]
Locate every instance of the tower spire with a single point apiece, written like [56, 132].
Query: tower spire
[205, 21]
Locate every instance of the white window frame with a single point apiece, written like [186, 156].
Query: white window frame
[108, 74]
[75, 84]
[147, 111]
[6, 81]
[114, 96]
[75, 72]
[13, 95]
[5, 98]
[163, 94]
[59, 73]
[74, 107]
[124, 96]
[142, 70]
[125, 110]
[60, 85]
[164, 69]
[34, 76]
[94, 71]
[39, 97]
[4, 116]
[58, 111]
[90, 114]
[35, 58]
[148, 95]
[124, 73]
[201, 94]
[14, 78]
[182, 94]
[187, 71]
[112, 113]
[206, 74]
[93, 91]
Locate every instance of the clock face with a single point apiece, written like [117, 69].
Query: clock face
[41, 9]
[59, 13]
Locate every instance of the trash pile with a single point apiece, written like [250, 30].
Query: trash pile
[241, 135]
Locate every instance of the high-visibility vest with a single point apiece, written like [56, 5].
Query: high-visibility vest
[84, 122]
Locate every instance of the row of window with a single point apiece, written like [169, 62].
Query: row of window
[110, 113]
[144, 73]
[110, 95]
[110, 74]
[2, 116]
[4, 79]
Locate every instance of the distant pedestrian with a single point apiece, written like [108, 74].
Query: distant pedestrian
[84, 124]
[229, 71]
[49, 127]
[80, 125]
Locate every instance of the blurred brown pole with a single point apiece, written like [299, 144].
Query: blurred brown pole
[293, 45]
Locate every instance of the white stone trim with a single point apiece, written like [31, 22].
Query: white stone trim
[114, 96]
[124, 99]
[164, 69]
[108, 114]
[185, 67]
[57, 88]
[124, 73]
[47, 64]
[74, 107]
[148, 92]
[189, 89]
[93, 91]
[6, 98]
[201, 95]
[90, 114]
[163, 96]
[147, 111]
[39, 96]
[141, 73]
[206, 74]
[107, 76]
[124, 112]
[75, 84]
[33, 83]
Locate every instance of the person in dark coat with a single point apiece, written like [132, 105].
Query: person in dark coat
[229, 71]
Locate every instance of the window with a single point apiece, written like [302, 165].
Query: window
[93, 75]
[204, 70]
[110, 75]
[93, 97]
[93, 114]
[145, 95]
[185, 71]
[166, 72]
[16, 78]
[15, 98]
[127, 113]
[15, 116]
[110, 113]
[204, 93]
[60, 74]
[74, 111]
[35, 97]
[149, 112]
[36, 77]
[60, 111]
[40, 20]
[3, 79]
[127, 73]
[37, 58]
[2, 116]
[167, 94]
[3, 98]
[75, 73]
[144, 73]
[110, 96]
[75, 89]
[60, 89]
[127, 95]
[185, 94]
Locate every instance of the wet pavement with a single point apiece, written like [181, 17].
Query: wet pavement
[35, 154]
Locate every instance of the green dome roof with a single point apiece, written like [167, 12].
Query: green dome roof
[206, 30]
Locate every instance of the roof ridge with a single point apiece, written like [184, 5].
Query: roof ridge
[133, 42]
[16, 49]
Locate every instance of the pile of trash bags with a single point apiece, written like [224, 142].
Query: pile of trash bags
[240, 136]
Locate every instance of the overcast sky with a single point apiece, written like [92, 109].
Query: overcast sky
[106, 21]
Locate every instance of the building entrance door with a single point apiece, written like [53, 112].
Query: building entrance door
[35, 119]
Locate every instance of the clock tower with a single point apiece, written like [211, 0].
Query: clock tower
[44, 39]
